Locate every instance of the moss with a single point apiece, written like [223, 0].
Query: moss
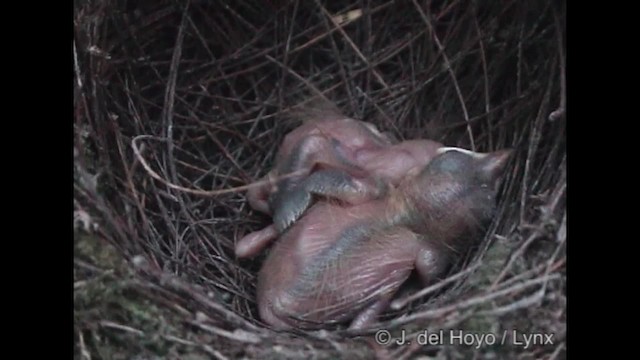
[115, 320]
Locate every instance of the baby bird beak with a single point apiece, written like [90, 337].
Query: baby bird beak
[476, 155]
[494, 164]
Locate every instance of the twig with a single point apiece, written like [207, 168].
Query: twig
[217, 354]
[89, 267]
[483, 58]
[557, 351]
[83, 348]
[243, 337]
[76, 66]
[113, 325]
[518, 304]
[355, 48]
[169, 97]
[156, 176]
[559, 112]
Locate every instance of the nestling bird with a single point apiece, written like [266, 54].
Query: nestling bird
[345, 263]
[332, 156]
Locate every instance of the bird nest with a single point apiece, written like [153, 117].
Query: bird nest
[180, 105]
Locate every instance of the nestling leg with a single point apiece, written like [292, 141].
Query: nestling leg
[341, 185]
[291, 208]
[431, 263]
[330, 183]
[370, 314]
[255, 242]
[258, 196]
[312, 153]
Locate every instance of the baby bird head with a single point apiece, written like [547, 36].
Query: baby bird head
[474, 169]
[455, 193]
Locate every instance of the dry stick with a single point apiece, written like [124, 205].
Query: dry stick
[76, 66]
[354, 46]
[236, 335]
[558, 264]
[179, 340]
[561, 237]
[155, 175]
[563, 81]
[211, 351]
[113, 325]
[83, 348]
[400, 303]
[450, 70]
[91, 267]
[204, 347]
[561, 234]
[557, 351]
[518, 304]
[287, 48]
[243, 20]
[483, 58]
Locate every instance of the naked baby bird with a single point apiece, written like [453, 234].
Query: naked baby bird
[334, 156]
[344, 264]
